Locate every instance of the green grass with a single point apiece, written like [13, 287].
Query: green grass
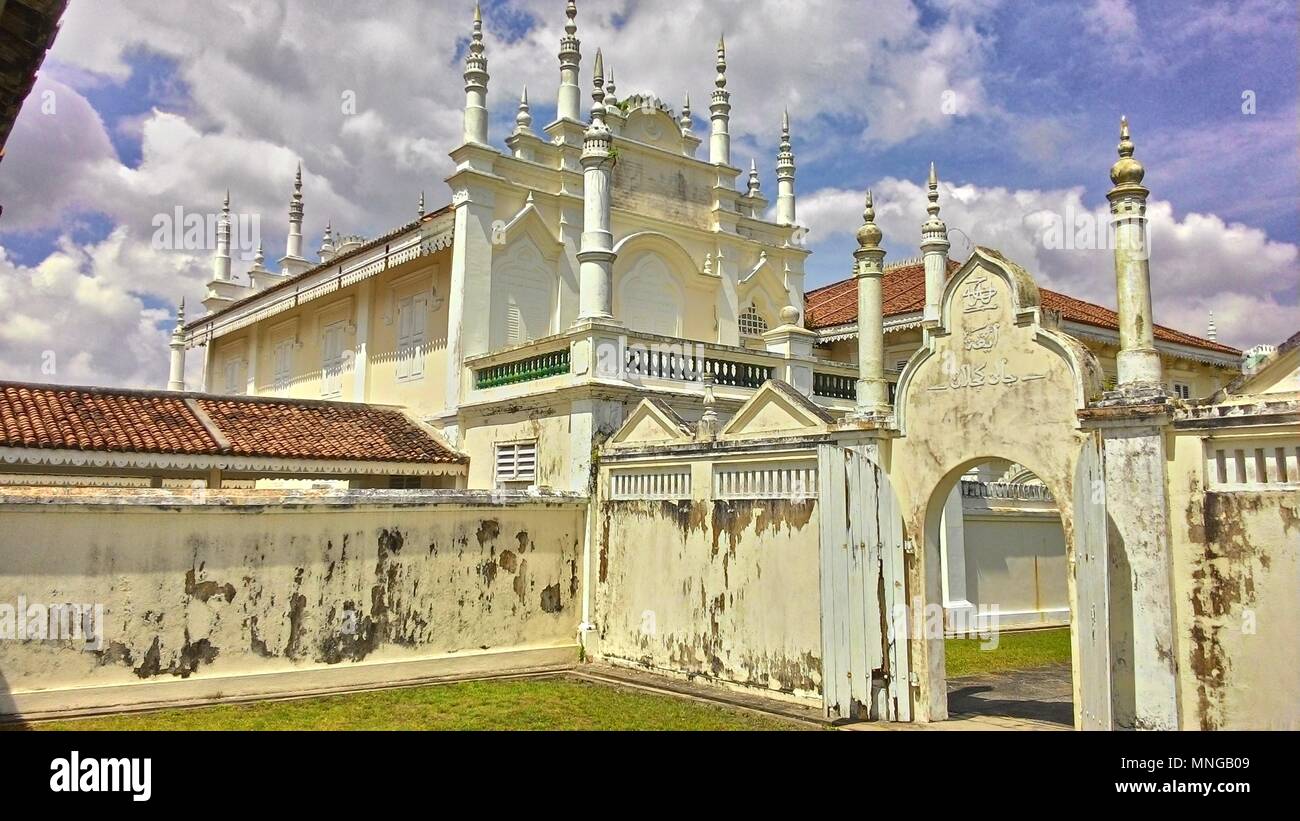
[514, 704]
[1014, 651]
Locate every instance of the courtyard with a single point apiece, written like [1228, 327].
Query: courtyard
[1027, 675]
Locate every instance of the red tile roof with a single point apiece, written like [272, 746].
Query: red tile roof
[131, 421]
[321, 430]
[904, 292]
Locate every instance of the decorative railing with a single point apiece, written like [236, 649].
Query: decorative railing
[523, 370]
[795, 482]
[834, 385]
[683, 366]
[669, 484]
[1016, 491]
[1264, 464]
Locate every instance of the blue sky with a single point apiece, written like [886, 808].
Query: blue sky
[159, 108]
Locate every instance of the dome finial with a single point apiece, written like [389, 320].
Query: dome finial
[1126, 170]
[524, 119]
[869, 234]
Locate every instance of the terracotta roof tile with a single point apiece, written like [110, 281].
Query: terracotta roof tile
[904, 292]
[322, 430]
[107, 419]
[35, 416]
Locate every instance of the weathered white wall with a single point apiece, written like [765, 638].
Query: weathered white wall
[233, 583]
[1236, 582]
[727, 591]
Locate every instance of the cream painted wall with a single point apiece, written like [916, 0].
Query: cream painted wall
[305, 326]
[1236, 573]
[222, 584]
[1017, 562]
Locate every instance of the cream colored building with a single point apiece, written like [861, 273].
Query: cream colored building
[609, 257]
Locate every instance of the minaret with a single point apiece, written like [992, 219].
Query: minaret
[419, 208]
[934, 249]
[1212, 331]
[720, 112]
[1138, 363]
[595, 251]
[221, 260]
[754, 184]
[569, 104]
[327, 244]
[476, 80]
[176, 378]
[785, 176]
[222, 290]
[685, 121]
[293, 262]
[873, 388]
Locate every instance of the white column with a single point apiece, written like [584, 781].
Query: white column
[596, 254]
[873, 388]
[1137, 362]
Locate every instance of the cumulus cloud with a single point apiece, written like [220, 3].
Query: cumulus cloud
[1199, 262]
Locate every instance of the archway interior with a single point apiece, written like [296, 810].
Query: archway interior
[1005, 595]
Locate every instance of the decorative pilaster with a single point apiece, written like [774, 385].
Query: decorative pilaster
[785, 176]
[873, 388]
[596, 251]
[176, 377]
[476, 80]
[934, 249]
[568, 105]
[720, 112]
[1138, 362]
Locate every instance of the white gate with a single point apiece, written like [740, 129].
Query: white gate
[865, 673]
[1092, 590]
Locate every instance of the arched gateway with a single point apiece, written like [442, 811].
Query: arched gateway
[995, 379]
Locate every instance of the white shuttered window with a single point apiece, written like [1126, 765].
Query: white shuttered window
[516, 461]
[412, 324]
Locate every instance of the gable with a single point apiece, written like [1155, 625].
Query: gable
[775, 409]
[651, 422]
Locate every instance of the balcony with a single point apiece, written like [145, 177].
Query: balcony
[610, 356]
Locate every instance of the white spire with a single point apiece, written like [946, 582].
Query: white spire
[293, 261]
[569, 103]
[327, 244]
[419, 208]
[176, 376]
[524, 119]
[873, 388]
[685, 121]
[934, 250]
[476, 82]
[720, 112]
[753, 179]
[1212, 331]
[221, 260]
[785, 211]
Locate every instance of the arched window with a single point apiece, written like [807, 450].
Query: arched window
[752, 322]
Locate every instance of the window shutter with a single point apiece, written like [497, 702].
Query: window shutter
[419, 323]
[404, 338]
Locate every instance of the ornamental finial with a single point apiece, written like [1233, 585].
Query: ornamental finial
[1126, 170]
[524, 119]
[869, 234]
[721, 81]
